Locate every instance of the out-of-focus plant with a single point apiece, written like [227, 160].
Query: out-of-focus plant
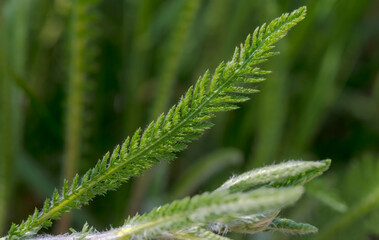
[247, 203]
[321, 101]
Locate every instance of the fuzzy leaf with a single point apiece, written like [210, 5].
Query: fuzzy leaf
[290, 173]
[205, 208]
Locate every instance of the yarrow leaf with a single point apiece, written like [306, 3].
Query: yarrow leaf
[205, 208]
[167, 135]
[211, 215]
[289, 173]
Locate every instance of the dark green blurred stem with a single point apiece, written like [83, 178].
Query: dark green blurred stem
[134, 75]
[238, 19]
[272, 104]
[47, 25]
[135, 61]
[345, 220]
[171, 57]
[6, 138]
[375, 94]
[216, 18]
[241, 14]
[75, 98]
[213, 19]
[272, 112]
[375, 101]
[330, 81]
[323, 94]
[13, 41]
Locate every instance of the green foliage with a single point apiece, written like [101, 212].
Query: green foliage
[212, 215]
[13, 40]
[173, 52]
[362, 213]
[286, 174]
[81, 62]
[204, 209]
[171, 132]
[220, 211]
[321, 101]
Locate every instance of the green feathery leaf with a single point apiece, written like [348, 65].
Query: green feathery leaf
[205, 208]
[209, 216]
[290, 173]
[184, 122]
[286, 174]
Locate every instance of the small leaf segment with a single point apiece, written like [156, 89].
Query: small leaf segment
[171, 132]
[289, 226]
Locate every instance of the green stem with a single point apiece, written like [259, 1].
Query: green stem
[136, 60]
[272, 105]
[6, 139]
[77, 76]
[173, 52]
[322, 96]
[13, 41]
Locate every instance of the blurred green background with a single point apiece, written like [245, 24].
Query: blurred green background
[77, 77]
